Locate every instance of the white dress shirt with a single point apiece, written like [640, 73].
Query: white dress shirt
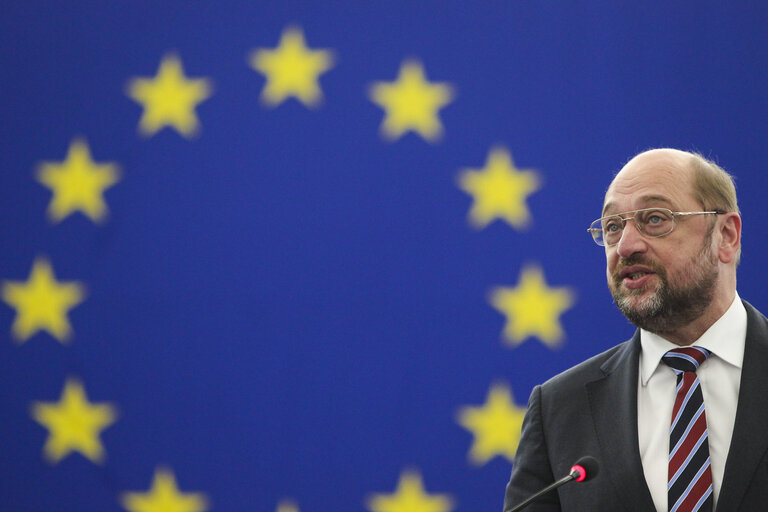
[719, 375]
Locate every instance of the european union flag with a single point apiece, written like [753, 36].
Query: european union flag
[307, 257]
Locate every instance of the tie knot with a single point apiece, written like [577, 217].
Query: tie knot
[685, 359]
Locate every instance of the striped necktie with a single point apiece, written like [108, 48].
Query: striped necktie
[689, 484]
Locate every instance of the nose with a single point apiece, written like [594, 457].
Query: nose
[631, 241]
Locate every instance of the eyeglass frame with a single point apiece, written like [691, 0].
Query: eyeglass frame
[592, 231]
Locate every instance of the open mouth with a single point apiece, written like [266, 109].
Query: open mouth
[635, 275]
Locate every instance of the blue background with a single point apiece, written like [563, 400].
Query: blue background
[289, 305]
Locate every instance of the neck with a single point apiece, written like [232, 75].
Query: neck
[688, 334]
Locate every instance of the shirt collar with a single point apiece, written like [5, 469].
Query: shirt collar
[725, 339]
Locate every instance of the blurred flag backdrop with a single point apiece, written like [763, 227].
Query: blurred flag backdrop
[313, 256]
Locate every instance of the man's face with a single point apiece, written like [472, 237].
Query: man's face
[660, 284]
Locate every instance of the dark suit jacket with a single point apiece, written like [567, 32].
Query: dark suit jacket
[591, 409]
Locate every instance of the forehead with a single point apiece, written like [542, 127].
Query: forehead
[654, 178]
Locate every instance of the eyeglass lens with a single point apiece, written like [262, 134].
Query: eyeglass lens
[652, 222]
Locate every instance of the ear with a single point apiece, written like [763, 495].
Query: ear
[730, 237]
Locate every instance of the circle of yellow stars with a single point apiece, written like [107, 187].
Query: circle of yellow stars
[292, 70]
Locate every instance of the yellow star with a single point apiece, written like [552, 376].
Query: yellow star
[291, 69]
[496, 426]
[42, 303]
[287, 506]
[169, 99]
[410, 497]
[411, 103]
[499, 191]
[532, 309]
[74, 424]
[78, 183]
[164, 497]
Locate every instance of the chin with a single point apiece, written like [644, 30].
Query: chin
[641, 307]
[638, 305]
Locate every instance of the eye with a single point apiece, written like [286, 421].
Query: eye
[612, 225]
[654, 219]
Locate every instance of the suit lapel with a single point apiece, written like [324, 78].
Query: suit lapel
[749, 441]
[613, 403]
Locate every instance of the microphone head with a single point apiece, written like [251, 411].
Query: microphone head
[587, 468]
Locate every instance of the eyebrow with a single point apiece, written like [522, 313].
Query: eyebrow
[644, 199]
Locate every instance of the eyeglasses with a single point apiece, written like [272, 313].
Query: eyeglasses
[651, 222]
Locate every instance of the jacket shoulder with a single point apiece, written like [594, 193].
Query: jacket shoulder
[594, 368]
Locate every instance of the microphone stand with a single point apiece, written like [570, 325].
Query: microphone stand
[574, 474]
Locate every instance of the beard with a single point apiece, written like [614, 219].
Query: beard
[673, 304]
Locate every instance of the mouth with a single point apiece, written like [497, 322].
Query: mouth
[635, 276]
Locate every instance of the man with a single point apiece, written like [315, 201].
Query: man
[672, 235]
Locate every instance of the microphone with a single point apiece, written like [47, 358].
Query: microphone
[584, 469]
[587, 467]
